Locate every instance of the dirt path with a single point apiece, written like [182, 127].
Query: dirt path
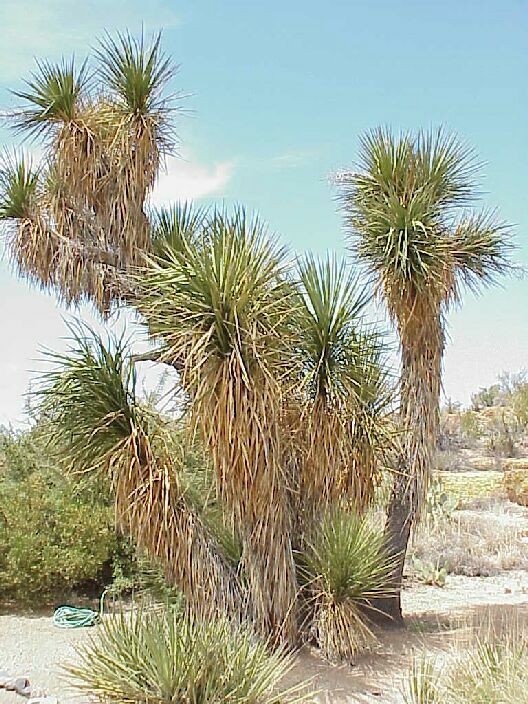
[32, 646]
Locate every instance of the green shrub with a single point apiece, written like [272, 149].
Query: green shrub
[470, 426]
[51, 541]
[57, 533]
[161, 656]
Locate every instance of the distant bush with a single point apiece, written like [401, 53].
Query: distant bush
[470, 426]
[487, 397]
[516, 481]
[520, 405]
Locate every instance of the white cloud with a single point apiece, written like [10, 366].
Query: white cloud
[295, 158]
[188, 180]
[51, 28]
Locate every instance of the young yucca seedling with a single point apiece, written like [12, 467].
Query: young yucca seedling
[346, 568]
[163, 656]
[423, 683]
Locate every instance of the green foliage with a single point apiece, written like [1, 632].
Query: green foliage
[52, 538]
[520, 405]
[502, 434]
[439, 504]
[19, 182]
[53, 93]
[431, 573]
[469, 425]
[226, 291]
[406, 210]
[492, 673]
[135, 575]
[345, 560]
[163, 657]
[90, 396]
[57, 532]
[487, 397]
[332, 311]
[135, 72]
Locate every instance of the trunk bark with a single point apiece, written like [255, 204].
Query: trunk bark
[422, 344]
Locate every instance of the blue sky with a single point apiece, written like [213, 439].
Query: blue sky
[279, 93]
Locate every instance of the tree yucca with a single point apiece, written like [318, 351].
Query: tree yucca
[406, 213]
[284, 383]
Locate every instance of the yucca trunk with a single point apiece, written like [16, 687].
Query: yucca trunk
[152, 509]
[240, 422]
[422, 344]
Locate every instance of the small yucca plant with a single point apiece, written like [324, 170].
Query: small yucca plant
[423, 683]
[164, 657]
[346, 568]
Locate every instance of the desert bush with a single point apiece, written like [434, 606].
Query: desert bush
[56, 534]
[516, 481]
[520, 405]
[345, 568]
[470, 426]
[162, 656]
[502, 433]
[51, 540]
[487, 397]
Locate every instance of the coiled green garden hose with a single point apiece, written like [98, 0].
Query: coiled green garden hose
[75, 617]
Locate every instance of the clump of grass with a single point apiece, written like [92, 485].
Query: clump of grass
[346, 568]
[422, 684]
[491, 671]
[163, 656]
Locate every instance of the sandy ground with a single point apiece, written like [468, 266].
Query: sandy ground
[32, 646]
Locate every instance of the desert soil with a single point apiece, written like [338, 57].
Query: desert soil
[437, 618]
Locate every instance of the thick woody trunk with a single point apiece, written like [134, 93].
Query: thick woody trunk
[422, 345]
